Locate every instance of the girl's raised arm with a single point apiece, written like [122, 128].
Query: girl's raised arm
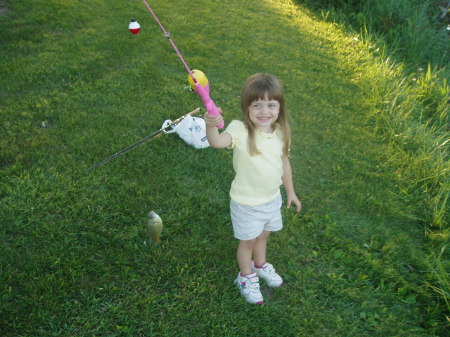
[216, 139]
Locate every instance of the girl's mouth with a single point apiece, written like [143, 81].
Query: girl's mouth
[264, 119]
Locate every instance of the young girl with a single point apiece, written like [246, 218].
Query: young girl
[260, 159]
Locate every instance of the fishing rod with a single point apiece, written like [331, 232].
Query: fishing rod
[200, 83]
[144, 140]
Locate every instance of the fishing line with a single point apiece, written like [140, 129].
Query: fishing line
[164, 130]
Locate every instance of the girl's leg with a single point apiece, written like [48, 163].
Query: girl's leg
[259, 248]
[267, 273]
[244, 256]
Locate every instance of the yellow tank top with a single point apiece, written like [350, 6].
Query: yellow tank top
[258, 177]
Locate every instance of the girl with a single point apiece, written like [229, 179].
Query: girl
[260, 159]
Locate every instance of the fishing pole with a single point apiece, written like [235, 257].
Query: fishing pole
[200, 85]
[144, 140]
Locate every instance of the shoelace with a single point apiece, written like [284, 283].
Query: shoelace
[269, 268]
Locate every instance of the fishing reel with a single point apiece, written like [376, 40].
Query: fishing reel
[200, 78]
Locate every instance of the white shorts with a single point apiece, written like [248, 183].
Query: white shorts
[250, 221]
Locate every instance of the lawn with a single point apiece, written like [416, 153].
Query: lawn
[76, 87]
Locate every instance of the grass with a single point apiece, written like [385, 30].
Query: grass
[413, 31]
[77, 86]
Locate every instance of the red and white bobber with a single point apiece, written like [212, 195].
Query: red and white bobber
[134, 27]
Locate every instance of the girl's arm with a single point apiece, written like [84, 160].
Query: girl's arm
[216, 139]
[289, 184]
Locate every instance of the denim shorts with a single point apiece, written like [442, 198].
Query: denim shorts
[250, 221]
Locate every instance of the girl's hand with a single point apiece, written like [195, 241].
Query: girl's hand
[292, 198]
[215, 138]
[212, 121]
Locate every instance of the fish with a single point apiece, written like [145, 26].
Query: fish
[154, 227]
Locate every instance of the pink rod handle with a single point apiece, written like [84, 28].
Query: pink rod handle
[209, 104]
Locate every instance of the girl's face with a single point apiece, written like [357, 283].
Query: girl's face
[264, 113]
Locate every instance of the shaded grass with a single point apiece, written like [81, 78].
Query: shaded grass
[413, 31]
[75, 259]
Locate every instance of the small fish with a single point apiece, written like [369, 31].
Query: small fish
[154, 226]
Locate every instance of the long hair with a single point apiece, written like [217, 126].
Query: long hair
[255, 88]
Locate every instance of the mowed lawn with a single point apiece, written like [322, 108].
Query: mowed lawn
[76, 87]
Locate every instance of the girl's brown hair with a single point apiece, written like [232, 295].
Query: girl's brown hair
[255, 88]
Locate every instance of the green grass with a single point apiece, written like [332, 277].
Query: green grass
[412, 30]
[73, 259]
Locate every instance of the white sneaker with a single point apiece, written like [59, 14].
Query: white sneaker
[249, 288]
[268, 274]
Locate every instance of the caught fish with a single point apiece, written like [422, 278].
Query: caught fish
[154, 226]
